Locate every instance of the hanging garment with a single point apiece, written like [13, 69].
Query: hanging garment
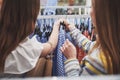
[78, 23]
[45, 28]
[50, 11]
[58, 59]
[67, 36]
[80, 54]
[89, 25]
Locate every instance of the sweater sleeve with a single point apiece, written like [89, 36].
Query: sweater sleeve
[81, 40]
[72, 67]
[90, 65]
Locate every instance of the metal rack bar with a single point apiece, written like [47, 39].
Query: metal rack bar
[62, 16]
[43, 7]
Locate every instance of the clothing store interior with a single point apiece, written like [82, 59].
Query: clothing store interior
[60, 39]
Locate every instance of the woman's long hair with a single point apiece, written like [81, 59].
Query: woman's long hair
[107, 15]
[17, 20]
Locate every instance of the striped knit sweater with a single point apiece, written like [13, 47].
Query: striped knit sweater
[93, 64]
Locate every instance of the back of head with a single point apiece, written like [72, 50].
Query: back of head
[17, 20]
[107, 15]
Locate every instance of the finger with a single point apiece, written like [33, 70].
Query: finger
[66, 46]
[65, 21]
[68, 42]
[61, 20]
[65, 43]
[61, 48]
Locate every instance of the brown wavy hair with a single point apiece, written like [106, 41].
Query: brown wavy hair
[17, 20]
[107, 17]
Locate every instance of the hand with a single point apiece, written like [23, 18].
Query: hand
[57, 23]
[69, 50]
[69, 26]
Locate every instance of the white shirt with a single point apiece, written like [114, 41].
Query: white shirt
[24, 57]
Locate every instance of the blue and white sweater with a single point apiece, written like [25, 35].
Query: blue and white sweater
[92, 64]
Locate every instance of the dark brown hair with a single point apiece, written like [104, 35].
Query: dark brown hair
[107, 15]
[17, 20]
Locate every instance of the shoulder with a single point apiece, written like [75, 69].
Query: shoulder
[94, 63]
[30, 43]
[24, 57]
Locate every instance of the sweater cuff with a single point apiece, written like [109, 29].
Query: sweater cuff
[72, 65]
[69, 60]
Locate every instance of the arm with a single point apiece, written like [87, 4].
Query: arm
[81, 40]
[78, 38]
[72, 67]
[90, 65]
[53, 39]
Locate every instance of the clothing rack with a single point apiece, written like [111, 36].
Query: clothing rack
[62, 16]
[63, 7]
[86, 9]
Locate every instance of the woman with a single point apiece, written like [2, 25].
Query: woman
[18, 53]
[104, 54]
